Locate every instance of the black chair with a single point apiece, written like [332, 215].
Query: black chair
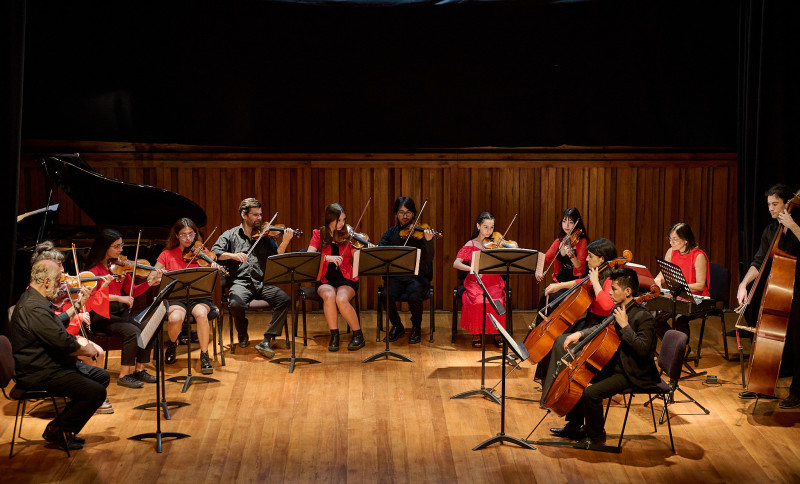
[429, 296]
[719, 285]
[309, 293]
[189, 320]
[21, 396]
[670, 361]
[107, 341]
[458, 292]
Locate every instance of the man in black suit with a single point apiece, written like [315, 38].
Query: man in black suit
[632, 366]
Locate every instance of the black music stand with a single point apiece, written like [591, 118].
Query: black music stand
[386, 262]
[522, 354]
[154, 315]
[506, 262]
[500, 310]
[193, 283]
[292, 268]
[677, 286]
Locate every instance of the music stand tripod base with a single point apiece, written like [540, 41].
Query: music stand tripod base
[576, 445]
[292, 360]
[504, 438]
[189, 379]
[484, 392]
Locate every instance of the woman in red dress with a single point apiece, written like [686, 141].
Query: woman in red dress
[569, 262]
[472, 300]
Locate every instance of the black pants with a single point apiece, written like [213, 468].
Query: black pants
[793, 338]
[86, 390]
[415, 289]
[122, 324]
[240, 295]
[681, 324]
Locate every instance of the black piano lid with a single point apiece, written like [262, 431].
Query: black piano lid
[102, 197]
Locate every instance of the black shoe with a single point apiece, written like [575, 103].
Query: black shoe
[145, 377]
[170, 355]
[597, 439]
[745, 395]
[244, 340]
[129, 381]
[205, 363]
[55, 437]
[571, 432]
[790, 402]
[415, 336]
[357, 342]
[396, 333]
[264, 349]
[72, 436]
[498, 341]
[334, 343]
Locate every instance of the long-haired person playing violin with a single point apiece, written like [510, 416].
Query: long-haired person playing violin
[106, 250]
[631, 367]
[686, 254]
[472, 301]
[414, 287]
[247, 274]
[567, 254]
[337, 285]
[182, 237]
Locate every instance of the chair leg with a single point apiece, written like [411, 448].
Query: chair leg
[455, 318]
[305, 333]
[379, 322]
[700, 342]
[624, 423]
[14, 432]
[220, 324]
[669, 424]
[433, 317]
[212, 329]
[724, 334]
[61, 427]
[652, 412]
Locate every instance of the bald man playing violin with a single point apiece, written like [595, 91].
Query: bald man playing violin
[247, 274]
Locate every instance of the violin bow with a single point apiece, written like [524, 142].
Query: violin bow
[71, 301]
[202, 248]
[263, 231]
[509, 226]
[415, 222]
[135, 261]
[355, 229]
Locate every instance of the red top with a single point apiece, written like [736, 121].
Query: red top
[172, 259]
[580, 252]
[686, 263]
[345, 250]
[120, 288]
[602, 304]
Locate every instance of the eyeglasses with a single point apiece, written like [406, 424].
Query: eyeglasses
[403, 213]
[675, 240]
[186, 236]
[117, 246]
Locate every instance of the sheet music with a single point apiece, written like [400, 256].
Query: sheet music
[152, 325]
[356, 258]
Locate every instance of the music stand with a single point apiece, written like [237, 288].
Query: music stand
[154, 315]
[193, 283]
[500, 310]
[292, 268]
[522, 354]
[678, 286]
[386, 262]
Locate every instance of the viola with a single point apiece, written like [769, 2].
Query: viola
[273, 230]
[203, 256]
[85, 278]
[577, 369]
[417, 231]
[356, 239]
[571, 306]
[122, 265]
[575, 237]
[496, 241]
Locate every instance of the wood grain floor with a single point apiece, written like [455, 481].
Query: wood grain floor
[392, 421]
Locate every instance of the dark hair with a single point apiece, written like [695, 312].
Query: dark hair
[573, 214]
[332, 212]
[603, 248]
[46, 251]
[404, 202]
[626, 278]
[247, 204]
[172, 238]
[781, 191]
[683, 231]
[100, 246]
[483, 216]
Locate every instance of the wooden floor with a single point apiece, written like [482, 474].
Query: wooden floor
[392, 421]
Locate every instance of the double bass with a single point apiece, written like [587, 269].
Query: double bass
[576, 370]
[769, 334]
[573, 304]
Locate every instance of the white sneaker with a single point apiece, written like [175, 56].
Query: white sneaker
[105, 408]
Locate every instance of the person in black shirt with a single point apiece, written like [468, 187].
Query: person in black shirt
[45, 356]
[247, 274]
[778, 198]
[414, 287]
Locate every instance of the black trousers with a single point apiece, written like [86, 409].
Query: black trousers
[122, 324]
[415, 289]
[793, 337]
[240, 295]
[86, 390]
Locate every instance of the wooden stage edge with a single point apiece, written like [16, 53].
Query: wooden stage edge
[392, 421]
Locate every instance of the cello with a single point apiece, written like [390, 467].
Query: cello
[576, 369]
[573, 304]
[769, 334]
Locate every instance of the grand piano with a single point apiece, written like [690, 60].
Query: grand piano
[156, 210]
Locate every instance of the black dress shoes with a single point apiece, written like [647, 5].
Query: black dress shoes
[244, 340]
[747, 395]
[597, 439]
[790, 402]
[170, 355]
[205, 363]
[396, 332]
[571, 432]
[55, 437]
[415, 335]
[357, 342]
[334, 343]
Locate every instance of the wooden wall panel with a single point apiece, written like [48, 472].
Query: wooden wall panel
[628, 197]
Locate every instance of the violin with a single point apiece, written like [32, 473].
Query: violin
[356, 239]
[576, 369]
[496, 241]
[571, 306]
[418, 231]
[122, 265]
[273, 230]
[574, 238]
[84, 278]
[203, 256]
